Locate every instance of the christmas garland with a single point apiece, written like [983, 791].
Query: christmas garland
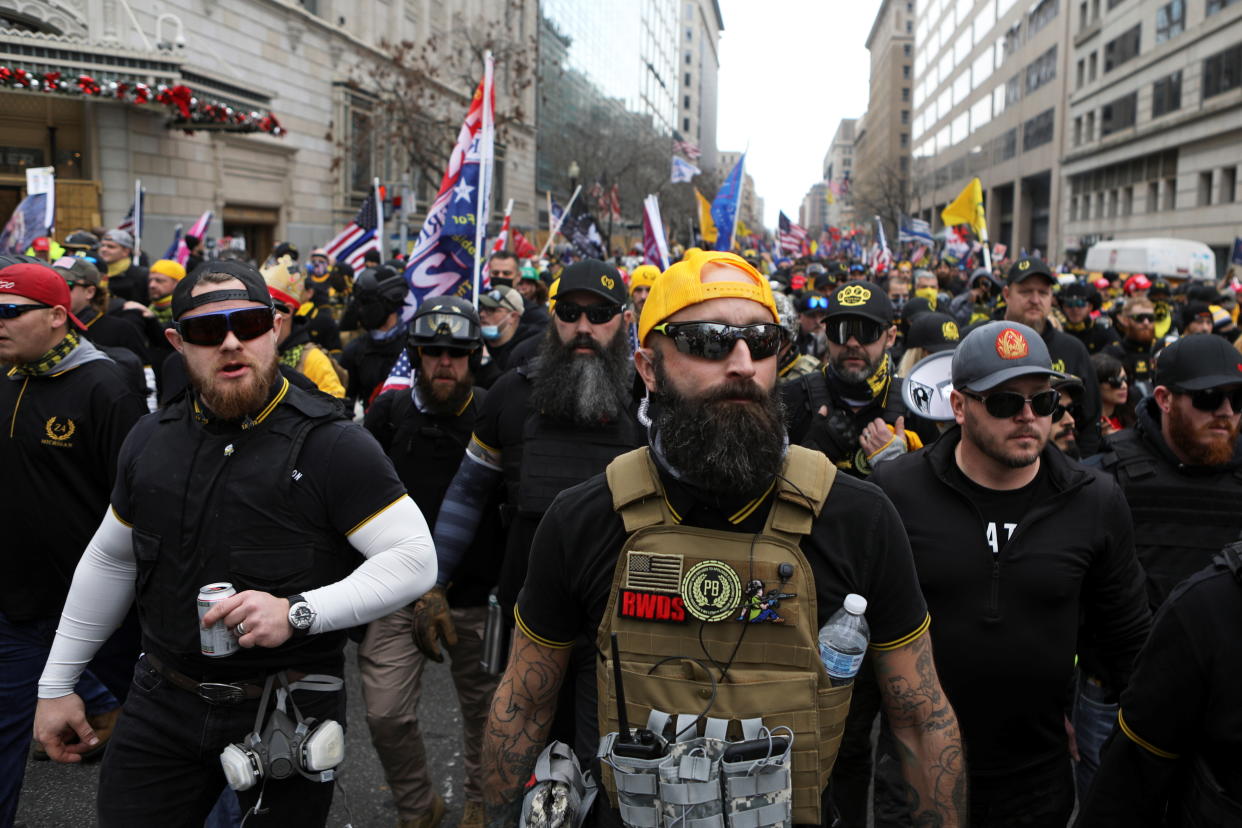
[187, 110]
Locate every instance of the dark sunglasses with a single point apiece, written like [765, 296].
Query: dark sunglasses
[595, 314]
[1071, 409]
[1209, 399]
[866, 331]
[14, 311]
[1005, 404]
[716, 340]
[437, 351]
[1115, 382]
[1075, 302]
[213, 328]
[1143, 317]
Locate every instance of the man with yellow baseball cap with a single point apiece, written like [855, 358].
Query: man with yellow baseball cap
[641, 280]
[713, 556]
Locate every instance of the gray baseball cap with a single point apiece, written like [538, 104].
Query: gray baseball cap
[998, 352]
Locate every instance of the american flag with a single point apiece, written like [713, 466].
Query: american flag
[653, 573]
[687, 149]
[132, 223]
[359, 236]
[881, 256]
[399, 377]
[791, 237]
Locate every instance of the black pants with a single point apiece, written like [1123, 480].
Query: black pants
[162, 768]
[1024, 801]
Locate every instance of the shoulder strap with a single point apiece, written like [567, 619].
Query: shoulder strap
[804, 487]
[816, 385]
[635, 490]
[1231, 558]
[1128, 457]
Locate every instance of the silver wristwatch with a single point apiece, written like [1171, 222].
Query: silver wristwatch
[301, 615]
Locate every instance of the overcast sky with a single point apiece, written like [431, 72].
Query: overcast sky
[790, 70]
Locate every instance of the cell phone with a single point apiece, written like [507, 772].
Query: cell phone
[755, 749]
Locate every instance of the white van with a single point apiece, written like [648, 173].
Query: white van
[1170, 258]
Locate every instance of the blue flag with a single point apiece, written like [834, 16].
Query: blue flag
[176, 242]
[26, 224]
[724, 208]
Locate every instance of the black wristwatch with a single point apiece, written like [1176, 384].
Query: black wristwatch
[301, 616]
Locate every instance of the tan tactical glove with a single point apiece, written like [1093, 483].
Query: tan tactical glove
[432, 624]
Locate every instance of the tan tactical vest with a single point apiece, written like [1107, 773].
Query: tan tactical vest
[673, 584]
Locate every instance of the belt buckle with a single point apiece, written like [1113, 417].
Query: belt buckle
[216, 693]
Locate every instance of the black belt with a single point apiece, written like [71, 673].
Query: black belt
[214, 692]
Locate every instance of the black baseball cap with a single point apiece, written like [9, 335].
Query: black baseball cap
[933, 332]
[864, 299]
[1194, 363]
[253, 281]
[594, 276]
[998, 352]
[1027, 267]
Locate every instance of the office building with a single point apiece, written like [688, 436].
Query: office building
[1155, 123]
[838, 172]
[698, 71]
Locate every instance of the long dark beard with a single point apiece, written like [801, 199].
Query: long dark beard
[584, 390]
[232, 401]
[441, 400]
[714, 442]
[1202, 451]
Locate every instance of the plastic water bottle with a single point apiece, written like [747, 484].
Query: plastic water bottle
[843, 640]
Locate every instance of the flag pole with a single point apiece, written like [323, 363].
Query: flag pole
[137, 219]
[485, 172]
[557, 227]
[737, 206]
[379, 216]
[987, 253]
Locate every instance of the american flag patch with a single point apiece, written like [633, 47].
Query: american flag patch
[653, 573]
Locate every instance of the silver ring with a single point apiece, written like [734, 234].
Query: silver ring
[241, 628]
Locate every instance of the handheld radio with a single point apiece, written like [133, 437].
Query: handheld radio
[642, 743]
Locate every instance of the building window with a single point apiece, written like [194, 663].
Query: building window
[1091, 67]
[905, 50]
[905, 116]
[1166, 94]
[685, 124]
[905, 93]
[1119, 114]
[1089, 130]
[1222, 71]
[1153, 196]
[1042, 70]
[905, 72]
[1037, 131]
[361, 140]
[1074, 208]
[909, 27]
[685, 102]
[1205, 189]
[1213, 6]
[1013, 90]
[1078, 130]
[1229, 185]
[1170, 194]
[1112, 4]
[1121, 49]
[1081, 74]
[311, 6]
[1127, 201]
[687, 58]
[1082, 15]
[1170, 20]
[905, 140]
[1040, 16]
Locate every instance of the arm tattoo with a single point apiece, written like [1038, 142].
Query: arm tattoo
[927, 733]
[517, 728]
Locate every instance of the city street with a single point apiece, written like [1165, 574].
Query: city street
[63, 796]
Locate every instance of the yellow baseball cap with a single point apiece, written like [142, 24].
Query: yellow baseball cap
[682, 286]
[644, 276]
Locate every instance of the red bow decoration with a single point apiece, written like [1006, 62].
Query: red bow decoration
[87, 84]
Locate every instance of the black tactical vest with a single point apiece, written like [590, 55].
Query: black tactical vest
[1181, 520]
[210, 507]
[556, 456]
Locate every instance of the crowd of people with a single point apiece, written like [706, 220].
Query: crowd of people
[602, 473]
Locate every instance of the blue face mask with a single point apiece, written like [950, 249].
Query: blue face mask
[490, 331]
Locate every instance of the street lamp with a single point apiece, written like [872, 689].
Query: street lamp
[574, 171]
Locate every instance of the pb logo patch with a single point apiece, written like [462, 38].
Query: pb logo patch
[607, 281]
[1025, 264]
[59, 431]
[949, 331]
[711, 591]
[851, 296]
[1010, 344]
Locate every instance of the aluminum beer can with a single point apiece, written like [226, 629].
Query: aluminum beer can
[216, 641]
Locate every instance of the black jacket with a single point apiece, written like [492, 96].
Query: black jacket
[1005, 627]
[62, 435]
[369, 362]
[1183, 515]
[1070, 355]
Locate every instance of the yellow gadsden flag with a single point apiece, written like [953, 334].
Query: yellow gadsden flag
[967, 208]
[707, 227]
